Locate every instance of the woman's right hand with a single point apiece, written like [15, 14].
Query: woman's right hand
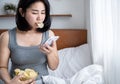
[16, 80]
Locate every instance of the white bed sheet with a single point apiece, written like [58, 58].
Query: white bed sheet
[92, 74]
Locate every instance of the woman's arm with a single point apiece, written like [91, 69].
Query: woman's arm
[51, 52]
[4, 57]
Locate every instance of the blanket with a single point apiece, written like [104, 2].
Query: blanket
[92, 74]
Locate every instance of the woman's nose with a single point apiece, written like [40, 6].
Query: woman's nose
[39, 16]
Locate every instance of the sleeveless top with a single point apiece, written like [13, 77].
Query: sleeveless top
[27, 57]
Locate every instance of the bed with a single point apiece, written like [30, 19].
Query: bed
[75, 65]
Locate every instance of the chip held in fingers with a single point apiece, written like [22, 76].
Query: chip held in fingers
[40, 25]
[27, 74]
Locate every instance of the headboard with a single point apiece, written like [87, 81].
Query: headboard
[68, 37]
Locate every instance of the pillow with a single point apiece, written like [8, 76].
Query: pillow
[72, 60]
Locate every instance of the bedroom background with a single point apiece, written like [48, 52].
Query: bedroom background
[83, 12]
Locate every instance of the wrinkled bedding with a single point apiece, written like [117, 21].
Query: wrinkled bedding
[92, 74]
[75, 67]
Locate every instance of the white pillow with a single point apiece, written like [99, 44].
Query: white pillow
[72, 60]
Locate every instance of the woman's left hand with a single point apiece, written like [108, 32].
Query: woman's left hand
[52, 54]
[48, 49]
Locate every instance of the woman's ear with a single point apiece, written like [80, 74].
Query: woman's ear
[21, 12]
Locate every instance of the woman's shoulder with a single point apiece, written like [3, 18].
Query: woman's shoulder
[4, 36]
[51, 33]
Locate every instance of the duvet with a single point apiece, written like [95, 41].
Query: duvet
[92, 74]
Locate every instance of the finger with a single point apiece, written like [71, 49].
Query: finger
[48, 47]
[33, 82]
[45, 49]
[54, 45]
[44, 46]
[41, 48]
[18, 76]
[28, 81]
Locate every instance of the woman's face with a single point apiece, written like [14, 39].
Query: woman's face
[35, 14]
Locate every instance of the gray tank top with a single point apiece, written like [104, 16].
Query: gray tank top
[27, 57]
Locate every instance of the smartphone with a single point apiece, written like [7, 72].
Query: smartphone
[51, 39]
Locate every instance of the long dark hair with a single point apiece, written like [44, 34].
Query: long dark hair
[21, 22]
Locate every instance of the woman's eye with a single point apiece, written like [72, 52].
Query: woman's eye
[42, 13]
[34, 13]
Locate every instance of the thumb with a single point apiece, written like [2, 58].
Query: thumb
[28, 81]
[19, 76]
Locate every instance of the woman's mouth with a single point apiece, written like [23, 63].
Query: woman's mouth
[40, 25]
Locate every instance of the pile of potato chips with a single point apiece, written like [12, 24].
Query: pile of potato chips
[27, 74]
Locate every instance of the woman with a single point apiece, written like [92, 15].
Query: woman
[24, 44]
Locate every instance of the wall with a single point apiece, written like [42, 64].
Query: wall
[6, 22]
[74, 7]
[87, 23]
[87, 18]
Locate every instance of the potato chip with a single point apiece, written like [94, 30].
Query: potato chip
[40, 25]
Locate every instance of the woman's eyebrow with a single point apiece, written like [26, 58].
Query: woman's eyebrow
[34, 10]
[37, 10]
